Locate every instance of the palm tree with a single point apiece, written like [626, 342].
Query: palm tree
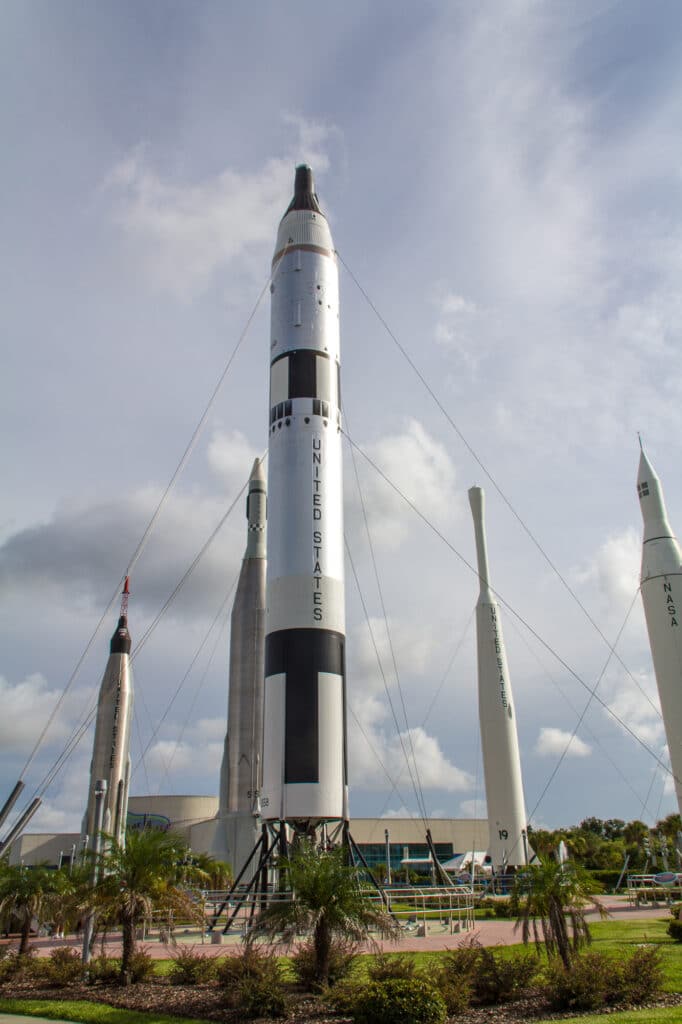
[141, 876]
[555, 896]
[327, 901]
[25, 895]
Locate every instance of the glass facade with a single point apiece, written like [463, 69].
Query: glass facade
[375, 853]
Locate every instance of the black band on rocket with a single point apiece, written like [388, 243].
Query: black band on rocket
[300, 655]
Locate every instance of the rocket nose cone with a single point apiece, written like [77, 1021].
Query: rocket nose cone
[120, 641]
[304, 191]
[257, 474]
[645, 471]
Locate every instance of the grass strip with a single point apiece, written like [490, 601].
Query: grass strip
[87, 1013]
[665, 1015]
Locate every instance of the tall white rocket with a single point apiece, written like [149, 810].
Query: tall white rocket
[499, 739]
[241, 771]
[111, 747]
[304, 749]
[661, 588]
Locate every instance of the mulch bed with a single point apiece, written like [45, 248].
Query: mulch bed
[206, 1003]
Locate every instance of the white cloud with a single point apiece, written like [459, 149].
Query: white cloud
[421, 468]
[636, 704]
[552, 742]
[25, 707]
[399, 812]
[473, 808]
[183, 233]
[231, 455]
[614, 568]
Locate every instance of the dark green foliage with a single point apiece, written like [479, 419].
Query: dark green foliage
[642, 974]
[400, 1001]
[251, 962]
[63, 967]
[329, 904]
[257, 997]
[16, 966]
[253, 983]
[585, 985]
[496, 906]
[500, 979]
[342, 956]
[455, 990]
[104, 970]
[383, 967]
[675, 930]
[461, 962]
[594, 980]
[141, 966]
[190, 967]
[606, 878]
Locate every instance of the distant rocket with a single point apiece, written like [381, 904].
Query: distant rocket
[240, 776]
[661, 587]
[304, 756]
[111, 749]
[499, 739]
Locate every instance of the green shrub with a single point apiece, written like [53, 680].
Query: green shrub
[141, 966]
[383, 967]
[499, 979]
[260, 997]
[675, 930]
[63, 967]
[606, 877]
[461, 962]
[343, 996]
[104, 970]
[400, 1001]
[342, 956]
[251, 962]
[190, 967]
[455, 990]
[589, 983]
[641, 975]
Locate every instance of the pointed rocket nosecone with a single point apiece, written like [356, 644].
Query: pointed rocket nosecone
[651, 501]
[120, 641]
[305, 197]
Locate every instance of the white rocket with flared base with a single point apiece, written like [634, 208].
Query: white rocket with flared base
[304, 747]
[661, 588]
[499, 739]
[111, 747]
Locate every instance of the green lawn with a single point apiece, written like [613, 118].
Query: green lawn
[671, 1015]
[86, 1013]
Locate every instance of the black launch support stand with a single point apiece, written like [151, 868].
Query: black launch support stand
[274, 837]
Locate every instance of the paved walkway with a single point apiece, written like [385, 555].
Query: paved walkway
[493, 932]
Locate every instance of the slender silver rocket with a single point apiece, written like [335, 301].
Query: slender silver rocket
[499, 739]
[241, 771]
[111, 747]
[304, 756]
[661, 588]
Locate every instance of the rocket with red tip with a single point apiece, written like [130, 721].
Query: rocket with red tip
[111, 747]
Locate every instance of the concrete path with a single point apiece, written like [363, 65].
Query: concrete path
[489, 933]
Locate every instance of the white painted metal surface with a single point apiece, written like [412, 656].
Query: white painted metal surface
[111, 747]
[499, 739]
[661, 587]
[304, 770]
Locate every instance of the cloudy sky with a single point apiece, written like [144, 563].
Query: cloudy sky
[504, 181]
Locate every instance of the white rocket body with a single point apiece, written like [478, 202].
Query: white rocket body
[661, 588]
[241, 771]
[499, 739]
[111, 747]
[304, 750]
